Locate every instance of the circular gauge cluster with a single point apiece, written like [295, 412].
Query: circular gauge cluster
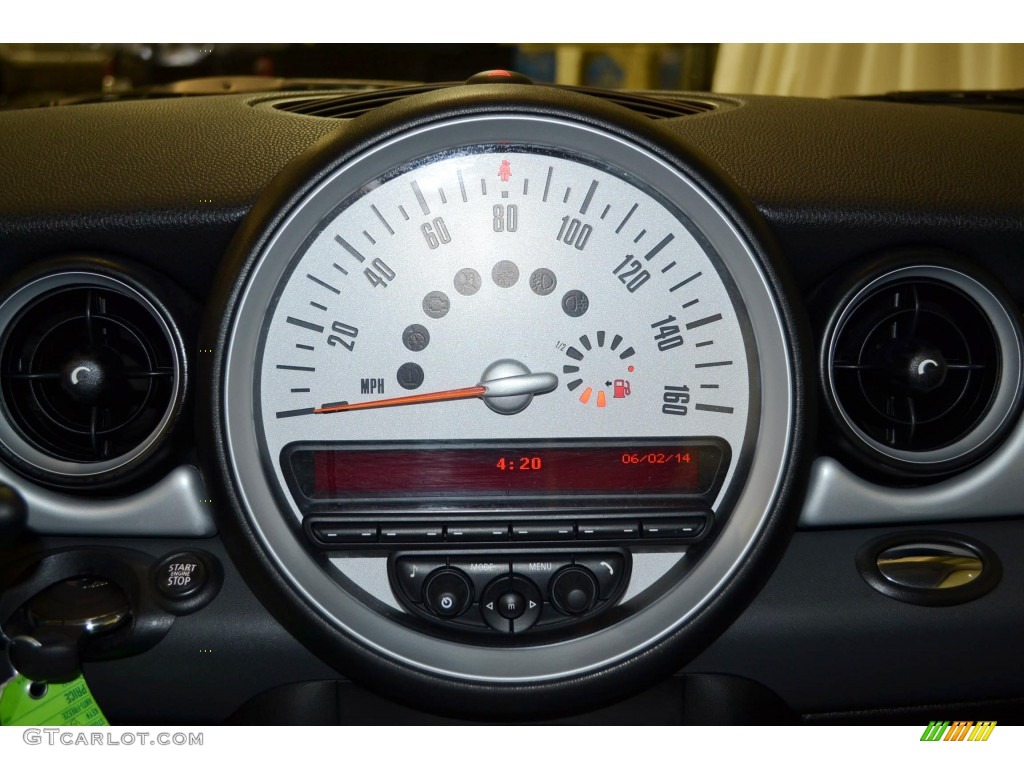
[535, 363]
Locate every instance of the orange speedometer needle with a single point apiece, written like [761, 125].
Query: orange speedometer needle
[427, 397]
[527, 384]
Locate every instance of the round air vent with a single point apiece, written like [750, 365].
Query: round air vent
[922, 367]
[91, 376]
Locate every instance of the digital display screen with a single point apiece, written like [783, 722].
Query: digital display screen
[508, 469]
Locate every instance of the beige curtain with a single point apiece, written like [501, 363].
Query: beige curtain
[848, 69]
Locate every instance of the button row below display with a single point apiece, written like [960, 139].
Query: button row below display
[511, 604]
[574, 590]
[686, 527]
[411, 573]
[608, 568]
[448, 593]
[511, 593]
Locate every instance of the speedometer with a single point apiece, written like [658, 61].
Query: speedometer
[471, 296]
[498, 378]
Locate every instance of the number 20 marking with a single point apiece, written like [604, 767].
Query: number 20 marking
[345, 330]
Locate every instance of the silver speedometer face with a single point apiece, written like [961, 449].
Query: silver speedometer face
[588, 295]
[503, 324]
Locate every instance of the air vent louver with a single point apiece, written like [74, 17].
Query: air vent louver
[916, 366]
[90, 375]
[350, 105]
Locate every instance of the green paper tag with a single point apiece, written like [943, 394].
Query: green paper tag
[23, 702]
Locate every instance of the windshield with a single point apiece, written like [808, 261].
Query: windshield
[33, 75]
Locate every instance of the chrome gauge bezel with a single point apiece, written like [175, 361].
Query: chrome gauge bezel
[675, 601]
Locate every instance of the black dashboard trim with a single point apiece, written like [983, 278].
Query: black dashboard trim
[833, 181]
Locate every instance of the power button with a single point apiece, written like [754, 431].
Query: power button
[448, 592]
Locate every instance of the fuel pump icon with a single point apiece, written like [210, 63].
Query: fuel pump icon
[621, 388]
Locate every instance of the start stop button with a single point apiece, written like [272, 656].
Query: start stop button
[180, 575]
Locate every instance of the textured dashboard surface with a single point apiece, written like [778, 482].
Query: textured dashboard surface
[834, 178]
[167, 182]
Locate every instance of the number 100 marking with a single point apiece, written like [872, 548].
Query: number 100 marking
[574, 232]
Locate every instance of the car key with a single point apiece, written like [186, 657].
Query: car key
[49, 687]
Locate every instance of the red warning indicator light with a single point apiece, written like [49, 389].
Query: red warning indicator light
[503, 76]
[505, 170]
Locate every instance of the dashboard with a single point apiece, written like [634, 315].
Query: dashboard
[500, 401]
